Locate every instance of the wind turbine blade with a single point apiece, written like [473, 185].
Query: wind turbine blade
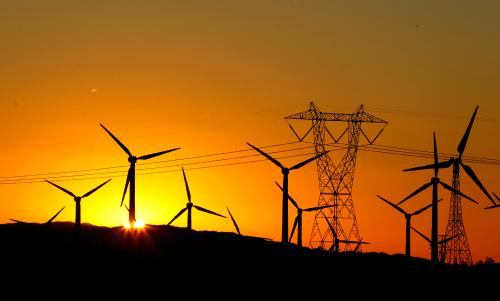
[449, 238]
[145, 157]
[354, 242]
[494, 206]
[93, 190]
[436, 167]
[125, 149]
[175, 217]
[393, 205]
[319, 208]
[65, 190]
[423, 236]
[424, 187]
[296, 166]
[208, 211]
[133, 217]
[444, 164]
[276, 162]
[129, 175]
[498, 199]
[463, 142]
[357, 247]
[473, 176]
[456, 191]
[186, 184]
[289, 197]
[330, 226]
[234, 221]
[52, 218]
[17, 221]
[423, 209]
[293, 228]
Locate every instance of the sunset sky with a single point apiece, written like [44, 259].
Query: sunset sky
[209, 76]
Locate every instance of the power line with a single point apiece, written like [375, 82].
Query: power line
[85, 174]
[101, 176]
[147, 168]
[144, 163]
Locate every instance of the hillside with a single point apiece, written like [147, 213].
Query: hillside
[165, 254]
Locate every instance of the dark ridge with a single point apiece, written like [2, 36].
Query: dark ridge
[158, 254]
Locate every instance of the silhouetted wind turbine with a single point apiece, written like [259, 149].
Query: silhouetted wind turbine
[234, 222]
[46, 223]
[408, 217]
[131, 173]
[434, 183]
[285, 171]
[189, 205]
[443, 241]
[335, 245]
[456, 162]
[77, 200]
[128, 210]
[496, 205]
[298, 219]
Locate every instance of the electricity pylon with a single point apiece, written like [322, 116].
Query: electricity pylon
[457, 250]
[335, 180]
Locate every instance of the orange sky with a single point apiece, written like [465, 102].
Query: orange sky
[210, 76]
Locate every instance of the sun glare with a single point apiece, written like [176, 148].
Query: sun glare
[139, 224]
[136, 225]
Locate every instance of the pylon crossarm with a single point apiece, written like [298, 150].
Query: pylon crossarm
[340, 137]
[297, 135]
[373, 140]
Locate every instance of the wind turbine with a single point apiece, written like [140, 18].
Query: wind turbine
[77, 200]
[189, 205]
[131, 173]
[234, 222]
[46, 223]
[285, 171]
[408, 217]
[456, 162]
[434, 183]
[335, 245]
[443, 241]
[298, 219]
[496, 205]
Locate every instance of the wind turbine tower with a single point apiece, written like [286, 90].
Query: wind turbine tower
[336, 178]
[457, 250]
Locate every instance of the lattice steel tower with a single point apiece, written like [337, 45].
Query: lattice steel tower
[336, 180]
[457, 250]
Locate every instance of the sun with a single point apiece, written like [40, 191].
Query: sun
[137, 225]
